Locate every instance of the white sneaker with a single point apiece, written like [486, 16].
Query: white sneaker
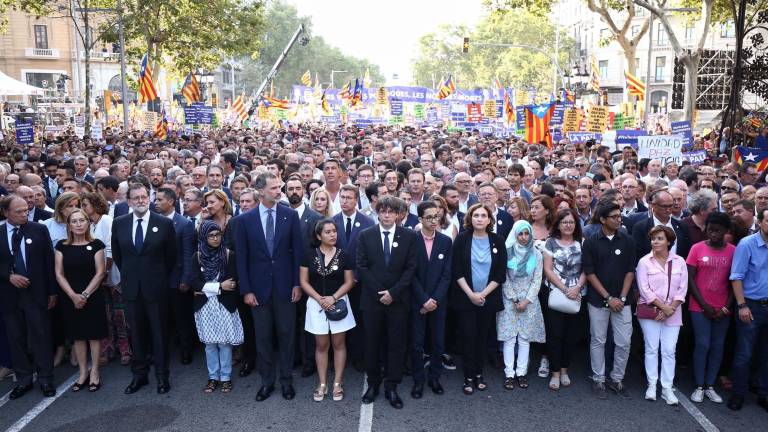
[669, 396]
[650, 393]
[544, 368]
[712, 395]
[698, 395]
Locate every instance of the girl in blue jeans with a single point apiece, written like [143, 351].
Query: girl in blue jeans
[709, 267]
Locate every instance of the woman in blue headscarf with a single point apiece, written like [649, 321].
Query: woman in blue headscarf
[521, 322]
[214, 281]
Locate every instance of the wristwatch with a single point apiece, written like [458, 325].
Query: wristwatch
[743, 305]
[623, 299]
[609, 298]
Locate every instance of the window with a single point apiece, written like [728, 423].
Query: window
[690, 33]
[661, 63]
[605, 34]
[640, 11]
[41, 37]
[635, 30]
[727, 30]
[226, 75]
[661, 35]
[603, 66]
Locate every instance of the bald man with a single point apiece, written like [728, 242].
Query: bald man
[35, 214]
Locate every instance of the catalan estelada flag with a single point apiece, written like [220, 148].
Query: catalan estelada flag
[537, 119]
[345, 94]
[357, 94]
[567, 95]
[271, 102]
[191, 89]
[447, 88]
[635, 87]
[161, 128]
[509, 110]
[306, 79]
[239, 107]
[755, 155]
[147, 90]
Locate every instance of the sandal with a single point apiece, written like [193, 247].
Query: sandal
[509, 383]
[226, 386]
[76, 387]
[211, 386]
[565, 380]
[338, 392]
[480, 384]
[94, 387]
[522, 382]
[320, 393]
[554, 383]
[469, 386]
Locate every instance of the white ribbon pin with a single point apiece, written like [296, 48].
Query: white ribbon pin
[89, 247]
[154, 229]
[441, 256]
[499, 222]
[29, 241]
[705, 259]
[334, 268]
[357, 224]
[495, 250]
[394, 244]
[618, 252]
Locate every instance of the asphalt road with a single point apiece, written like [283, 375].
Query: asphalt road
[187, 408]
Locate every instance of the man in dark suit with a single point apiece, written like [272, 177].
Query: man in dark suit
[269, 249]
[50, 182]
[27, 291]
[429, 303]
[308, 218]
[386, 263]
[144, 250]
[182, 311]
[34, 214]
[661, 206]
[489, 194]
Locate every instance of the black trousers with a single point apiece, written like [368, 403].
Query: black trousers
[391, 324]
[248, 348]
[183, 316]
[561, 335]
[148, 321]
[305, 341]
[281, 316]
[30, 326]
[474, 326]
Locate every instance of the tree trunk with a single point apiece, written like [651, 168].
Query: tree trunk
[629, 55]
[87, 48]
[691, 63]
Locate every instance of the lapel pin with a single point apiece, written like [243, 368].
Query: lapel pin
[441, 256]
[499, 221]
[394, 245]
[29, 241]
[357, 224]
[154, 229]
[495, 250]
[334, 268]
[618, 252]
[89, 247]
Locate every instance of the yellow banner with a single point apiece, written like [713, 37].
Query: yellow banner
[597, 120]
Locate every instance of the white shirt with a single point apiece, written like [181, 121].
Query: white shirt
[352, 216]
[391, 236]
[31, 215]
[336, 203]
[9, 228]
[300, 209]
[171, 214]
[144, 225]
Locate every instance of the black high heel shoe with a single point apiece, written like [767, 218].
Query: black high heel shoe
[76, 387]
[94, 387]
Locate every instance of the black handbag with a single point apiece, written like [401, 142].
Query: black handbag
[339, 310]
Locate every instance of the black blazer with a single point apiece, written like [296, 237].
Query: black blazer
[433, 274]
[150, 269]
[185, 247]
[643, 244]
[375, 276]
[308, 220]
[462, 268]
[39, 263]
[228, 299]
[504, 224]
[41, 214]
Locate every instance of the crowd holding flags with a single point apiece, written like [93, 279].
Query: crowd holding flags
[635, 86]
[239, 107]
[447, 88]
[271, 102]
[357, 94]
[161, 129]
[191, 89]
[537, 119]
[147, 90]
[345, 94]
[755, 155]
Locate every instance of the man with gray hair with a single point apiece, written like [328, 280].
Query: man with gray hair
[701, 204]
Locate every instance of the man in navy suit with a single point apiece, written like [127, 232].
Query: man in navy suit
[429, 300]
[27, 291]
[406, 218]
[489, 195]
[661, 206]
[144, 250]
[50, 181]
[182, 311]
[386, 263]
[269, 249]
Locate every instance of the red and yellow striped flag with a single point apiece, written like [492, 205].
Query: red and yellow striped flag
[239, 108]
[306, 79]
[537, 123]
[147, 90]
[635, 87]
[447, 88]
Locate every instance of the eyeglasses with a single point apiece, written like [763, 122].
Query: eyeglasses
[431, 218]
[728, 188]
[614, 216]
[214, 235]
[569, 222]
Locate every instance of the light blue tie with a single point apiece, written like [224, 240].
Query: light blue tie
[270, 232]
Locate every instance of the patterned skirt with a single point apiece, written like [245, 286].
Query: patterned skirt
[216, 325]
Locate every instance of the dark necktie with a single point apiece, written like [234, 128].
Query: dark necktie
[18, 260]
[138, 239]
[226, 181]
[237, 209]
[386, 248]
[348, 229]
[270, 237]
[359, 204]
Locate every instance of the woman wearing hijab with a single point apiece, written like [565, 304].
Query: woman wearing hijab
[521, 322]
[214, 281]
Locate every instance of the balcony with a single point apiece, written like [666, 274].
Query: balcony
[45, 53]
[101, 56]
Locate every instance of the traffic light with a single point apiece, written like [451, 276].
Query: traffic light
[465, 46]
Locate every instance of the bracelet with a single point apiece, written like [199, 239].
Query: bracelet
[85, 295]
[743, 305]
[334, 298]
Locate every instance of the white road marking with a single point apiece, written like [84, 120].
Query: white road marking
[696, 414]
[5, 398]
[40, 407]
[366, 411]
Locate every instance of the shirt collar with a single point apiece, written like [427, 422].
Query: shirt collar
[353, 216]
[144, 218]
[300, 208]
[390, 230]
[172, 215]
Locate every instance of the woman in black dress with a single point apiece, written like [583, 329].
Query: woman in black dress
[79, 271]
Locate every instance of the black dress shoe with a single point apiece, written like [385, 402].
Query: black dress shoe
[307, 371]
[135, 385]
[370, 394]
[246, 369]
[736, 402]
[417, 391]
[48, 390]
[264, 392]
[186, 357]
[288, 392]
[393, 398]
[163, 386]
[19, 391]
[436, 387]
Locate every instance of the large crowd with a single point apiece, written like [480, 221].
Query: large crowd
[396, 250]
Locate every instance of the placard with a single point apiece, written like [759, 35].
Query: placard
[666, 148]
[395, 107]
[418, 111]
[571, 120]
[474, 114]
[627, 137]
[684, 129]
[582, 137]
[695, 157]
[597, 121]
[25, 132]
[489, 109]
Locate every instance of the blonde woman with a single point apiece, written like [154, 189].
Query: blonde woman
[320, 201]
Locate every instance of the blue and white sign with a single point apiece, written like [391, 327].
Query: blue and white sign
[683, 128]
[582, 137]
[627, 137]
[25, 132]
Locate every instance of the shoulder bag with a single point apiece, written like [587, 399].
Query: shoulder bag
[339, 310]
[649, 311]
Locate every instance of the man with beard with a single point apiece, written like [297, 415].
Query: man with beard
[451, 195]
[156, 179]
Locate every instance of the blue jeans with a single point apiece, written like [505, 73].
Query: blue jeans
[747, 335]
[708, 352]
[218, 358]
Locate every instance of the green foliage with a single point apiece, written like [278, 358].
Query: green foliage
[440, 52]
[35, 7]
[317, 56]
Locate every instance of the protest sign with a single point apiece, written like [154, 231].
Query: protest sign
[627, 138]
[97, 130]
[80, 125]
[25, 132]
[597, 120]
[520, 117]
[582, 137]
[695, 157]
[489, 108]
[683, 128]
[418, 111]
[395, 107]
[381, 96]
[666, 148]
[571, 120]
[557, 116]
[618, 122]
[474, 114]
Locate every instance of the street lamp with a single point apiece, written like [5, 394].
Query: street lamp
[336, 71]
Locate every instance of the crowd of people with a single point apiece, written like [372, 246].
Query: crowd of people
[392, 249]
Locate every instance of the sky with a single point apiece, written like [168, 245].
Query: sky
[386, 32]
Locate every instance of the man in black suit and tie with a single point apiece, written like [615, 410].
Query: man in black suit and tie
[308, 218]
[35, 214]
[182, 310]
[144, 250]
[661, 214]
[50, 181]
[27, 291]
[489, 195]
[386, 263]
[429, 304]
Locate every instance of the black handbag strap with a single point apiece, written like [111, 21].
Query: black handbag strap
[669, 280]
